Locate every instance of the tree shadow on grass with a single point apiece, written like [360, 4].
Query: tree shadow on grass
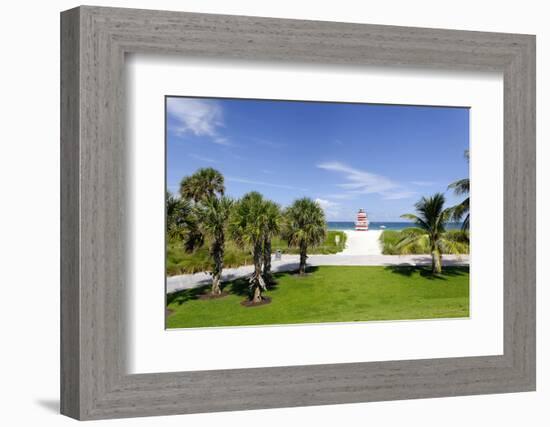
[310, 269]
[239, 287]
[426, 271]
[185, 295]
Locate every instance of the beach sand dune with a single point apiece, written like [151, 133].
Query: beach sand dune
[362, 243]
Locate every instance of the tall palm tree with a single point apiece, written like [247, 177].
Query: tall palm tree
[462, 187]
[304, 225]
[247, 226]
[182, 223]
[213, 214]
[431, 219]
[273, 222]
[202, 185]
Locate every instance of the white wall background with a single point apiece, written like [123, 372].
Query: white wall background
[29, 214]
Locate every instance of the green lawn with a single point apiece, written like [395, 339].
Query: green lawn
[331, 294]
[180, 262]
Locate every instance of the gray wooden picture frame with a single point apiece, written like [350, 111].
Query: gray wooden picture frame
[94, 382]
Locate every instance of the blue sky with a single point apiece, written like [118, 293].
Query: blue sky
[381, 158]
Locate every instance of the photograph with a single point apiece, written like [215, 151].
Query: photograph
[294, 212]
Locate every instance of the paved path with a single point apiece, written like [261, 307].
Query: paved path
[362, 243]
[291, 262]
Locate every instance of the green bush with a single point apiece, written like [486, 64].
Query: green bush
[180, 262]
[391, 238]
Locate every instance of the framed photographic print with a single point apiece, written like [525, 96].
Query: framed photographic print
[262, 213]
[276, 213]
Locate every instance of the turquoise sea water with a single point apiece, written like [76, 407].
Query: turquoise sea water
[350, 225]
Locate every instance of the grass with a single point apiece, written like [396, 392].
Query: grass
[331, 294]
[390, 238]
[180, 262]
[328, 247]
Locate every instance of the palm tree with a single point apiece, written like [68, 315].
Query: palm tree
[461, 187]
[182, 223]
[204, 190]
[461, 210]
[273, 222]
[213, 214]
[202, 185]
[304, 225]
[247, 227]
[430, 221]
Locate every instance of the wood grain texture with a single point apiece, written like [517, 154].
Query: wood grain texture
[94, 272]
[70, 220]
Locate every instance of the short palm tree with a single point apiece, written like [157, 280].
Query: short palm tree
[273, 223]
[247, 226]
[182, 223]
[213, 215]
[304, 225]
[204, 184]
[462, 210]
[431, 219]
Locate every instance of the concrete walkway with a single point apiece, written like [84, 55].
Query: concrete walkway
[362, 243]
[291, 263]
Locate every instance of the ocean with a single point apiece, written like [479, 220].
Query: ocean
[350, 225]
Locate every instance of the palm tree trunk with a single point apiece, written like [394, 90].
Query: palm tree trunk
[267, 260]
[257, 282]
[216, 280]
[303, 258]
[257, 296]
[436, 262]
[217, 254]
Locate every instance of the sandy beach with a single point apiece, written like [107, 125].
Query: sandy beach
[363, 243]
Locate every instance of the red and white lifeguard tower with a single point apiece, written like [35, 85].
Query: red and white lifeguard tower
[362, 223]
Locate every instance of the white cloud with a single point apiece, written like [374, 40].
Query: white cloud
[203, 158]
[326, 203]
[423, 183]
[199, 117]
[363, 182]
[262, 183]
[341, 196]
[221, 141]
[173, 190]
[398, 195]
[332, 209]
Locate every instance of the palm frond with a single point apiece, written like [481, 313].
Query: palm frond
[460, 187]
[460, 210]
[418, 221]
[409, 243]
[449, 246]
[304, 222]
[466, 223]
[247, 223]
[205, 183]
[182, 223]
